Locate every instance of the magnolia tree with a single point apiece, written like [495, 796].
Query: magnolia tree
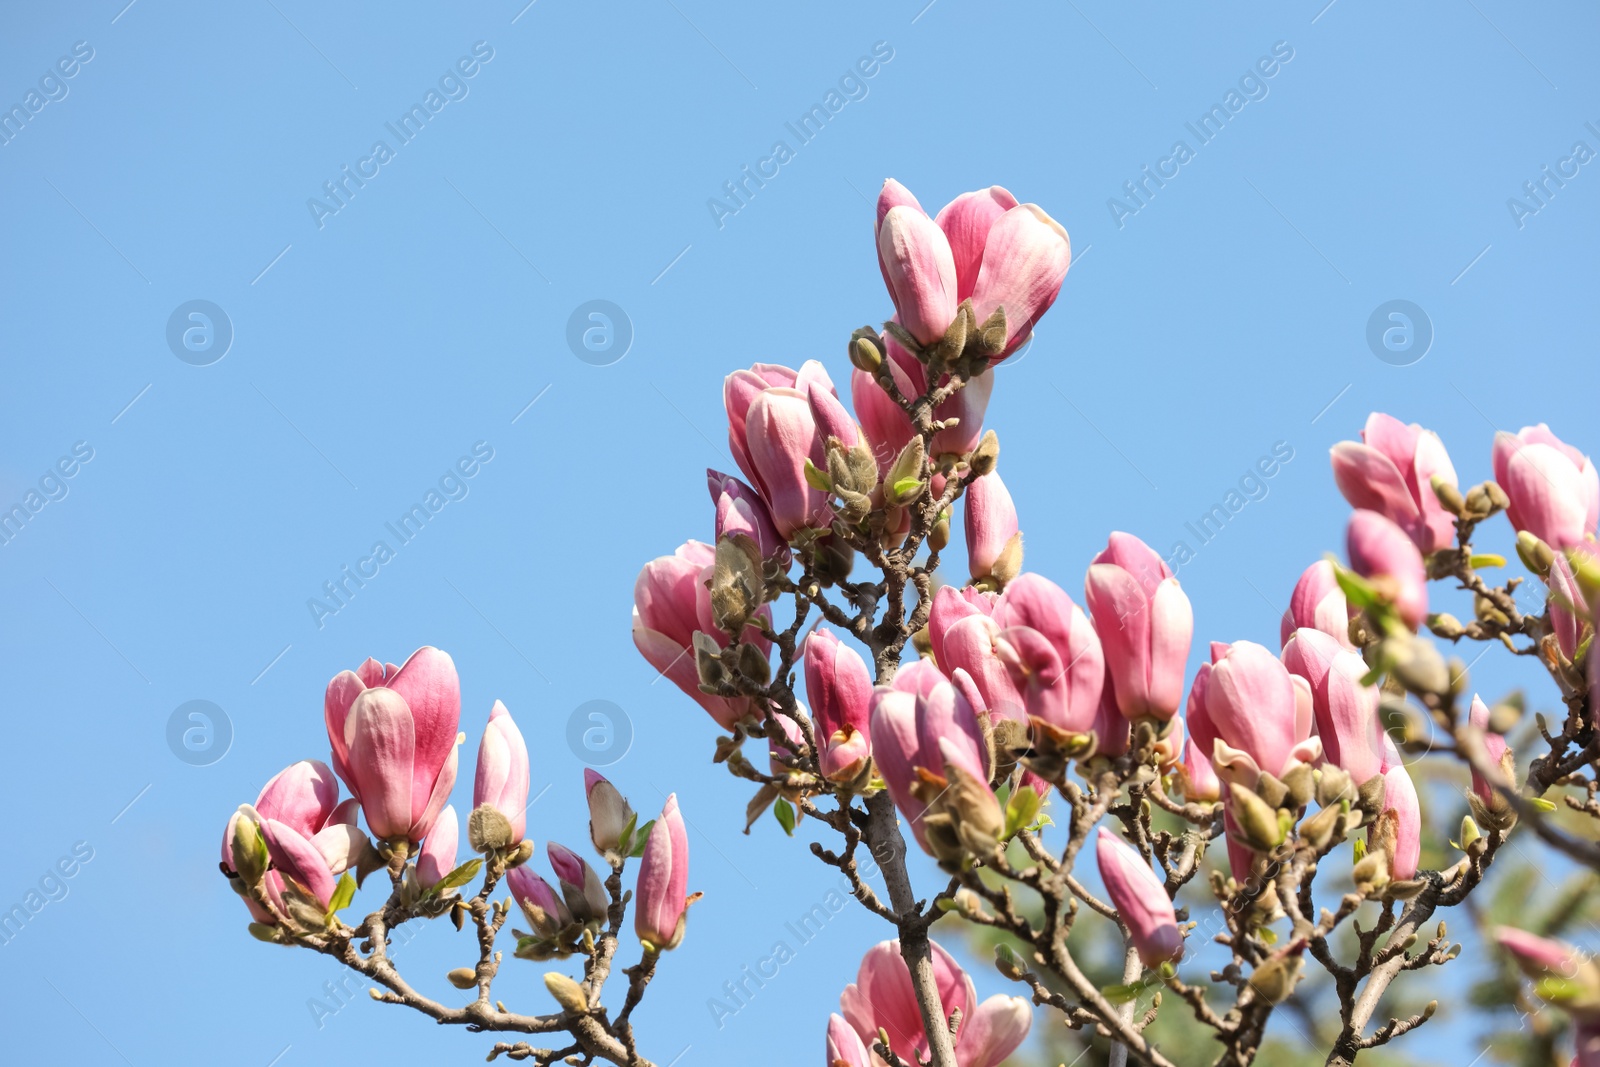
[1018, 729]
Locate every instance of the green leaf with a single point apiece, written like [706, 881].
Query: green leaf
[1541, 803]
[343, 894]
[458, 877]
[1357, 590]
[625, 839]
[817, 479]
[1486, 559]
[1021, 809]
[639, 840]
[785, 813]
[906, 486]
[1359, 848]
[1121, 994]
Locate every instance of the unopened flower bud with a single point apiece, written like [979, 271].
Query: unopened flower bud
[986, 456]
[1333, 785]
[1275, 979]
[463, 977]
[708, 662]
[737, 588]
[249, 850]
[939, 536]
[1300, 781]
[1537, 556]
[568, 994]
[608, 811]
[1448, 495]
[1318, 830]
[866, 350]
[1257, 820]
[488, 830]
[1446, 626]
[1008, 564]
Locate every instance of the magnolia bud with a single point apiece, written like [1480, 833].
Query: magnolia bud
[866, 350]
[737, 588]
[986, 456]
[708, 662]
[1257, 820]
[992, 333]
[1446, 626]
[568, 994]
[463, 977]
[1318, 830]
[608, 812]
[1537, 556]
[1274, 980]
[1008, 564]
[1333, 785]
[488, 830]
[1449, 496]
[1300, 781]
[939, 536]
[249, 850]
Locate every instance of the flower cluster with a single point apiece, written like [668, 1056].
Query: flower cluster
[1284, 752]
[297, 855]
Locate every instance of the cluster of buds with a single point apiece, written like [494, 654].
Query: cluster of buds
[297, 857]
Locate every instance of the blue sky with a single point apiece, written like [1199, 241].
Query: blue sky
[374, 346]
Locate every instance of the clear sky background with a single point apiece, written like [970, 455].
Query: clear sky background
[369, 352]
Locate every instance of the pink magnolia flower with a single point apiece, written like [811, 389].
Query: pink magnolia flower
[1391, 473]
[1554, 489]
[314, 833]
[1381, 552]
[581, 887]
[670, 602]
[881, 998]
[1494, 746]
[1196, 775]
[1569, 610]
[772, 431]
[844, 1047]
[1251, 713]
[991, 521]
[1051, 653]
[740, 510]
[1400, 797]
[438, 855]
[1346, 711]
[541, 904]
[394, 736]
[661, 899]
[919, 723]
[1025, 259]
[1576, 981]
[950, 606]
[1140, 899]
[1319, 603]
[839, 687]
[502, 780]
[1145, 623]
[919, 270]
[983, 245]
[609, 811]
